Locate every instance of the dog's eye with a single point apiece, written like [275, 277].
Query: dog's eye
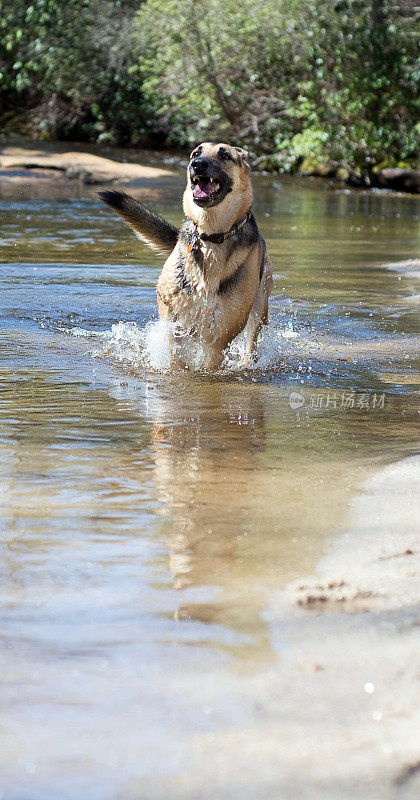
[224, 155]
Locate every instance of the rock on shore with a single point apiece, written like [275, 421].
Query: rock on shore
[87, 167]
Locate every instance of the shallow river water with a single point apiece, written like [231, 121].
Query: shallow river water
[148, 519]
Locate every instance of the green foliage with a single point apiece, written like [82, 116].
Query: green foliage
[75, 63]
[211, 69]
[296, 77]
[333, 79]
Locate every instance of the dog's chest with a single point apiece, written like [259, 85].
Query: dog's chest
[200, 308]
[200, 313]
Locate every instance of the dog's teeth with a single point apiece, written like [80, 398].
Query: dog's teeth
[216, 187]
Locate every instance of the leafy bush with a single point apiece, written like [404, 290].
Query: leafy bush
[286, 76]
[330, 79]
[75, 62]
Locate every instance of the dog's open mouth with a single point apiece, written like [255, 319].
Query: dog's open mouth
[209, 186]
[204, 188]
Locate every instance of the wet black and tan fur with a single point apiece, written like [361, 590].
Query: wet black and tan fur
[217, 278]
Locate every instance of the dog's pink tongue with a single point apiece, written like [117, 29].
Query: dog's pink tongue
[204, 189]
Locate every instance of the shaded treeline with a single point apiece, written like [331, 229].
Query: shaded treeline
[334, 79]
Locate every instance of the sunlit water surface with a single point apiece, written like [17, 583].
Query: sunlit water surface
[148, 518]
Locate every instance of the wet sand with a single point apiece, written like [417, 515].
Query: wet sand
[339, 715]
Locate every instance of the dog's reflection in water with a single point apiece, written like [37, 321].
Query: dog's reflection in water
[207, 441]
[205, 452]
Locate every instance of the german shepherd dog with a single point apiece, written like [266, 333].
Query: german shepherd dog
[217, 278]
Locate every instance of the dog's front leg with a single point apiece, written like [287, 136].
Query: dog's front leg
[252, 330]
[214, 358]
[258, 315]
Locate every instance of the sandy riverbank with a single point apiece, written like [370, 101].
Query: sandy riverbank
[87, 167]
[338, 717]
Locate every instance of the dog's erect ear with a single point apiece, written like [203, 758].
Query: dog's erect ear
[243, 156]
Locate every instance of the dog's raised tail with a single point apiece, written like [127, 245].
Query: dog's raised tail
[149, 227]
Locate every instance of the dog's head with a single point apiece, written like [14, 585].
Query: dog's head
[214, 172]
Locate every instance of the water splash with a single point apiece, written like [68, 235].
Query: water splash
[138, 347]
[150, 347]
[273, 343]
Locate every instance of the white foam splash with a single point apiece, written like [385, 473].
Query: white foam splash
[138, 347]
[272, 344]
[157, 350]
[150, 348]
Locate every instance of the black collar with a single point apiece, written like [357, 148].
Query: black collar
[219, 238]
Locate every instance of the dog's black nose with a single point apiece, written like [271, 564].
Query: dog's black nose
[200, 164]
